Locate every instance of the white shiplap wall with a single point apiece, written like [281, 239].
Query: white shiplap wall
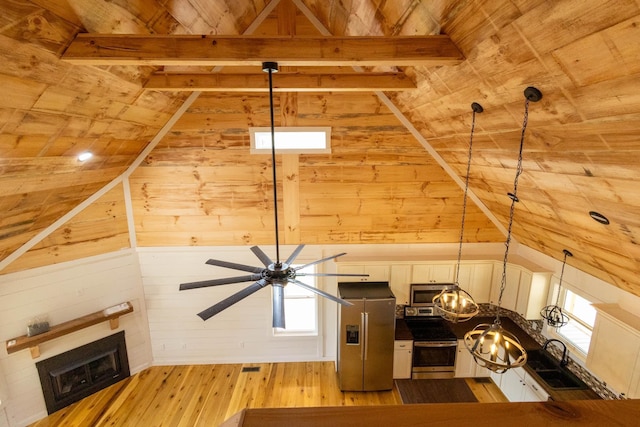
[63, 292]
[243, 332]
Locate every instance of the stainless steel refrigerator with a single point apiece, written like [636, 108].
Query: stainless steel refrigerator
[366, 334]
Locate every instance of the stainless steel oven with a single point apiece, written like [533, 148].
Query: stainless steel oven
[435, 346]
[434, 359]
[422, 294]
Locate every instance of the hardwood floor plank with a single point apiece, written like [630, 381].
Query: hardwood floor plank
[207, 395]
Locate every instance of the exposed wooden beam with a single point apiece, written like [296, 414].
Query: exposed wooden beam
[187, 50]
[283, 81]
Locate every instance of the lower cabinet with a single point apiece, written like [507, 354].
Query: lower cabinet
[518, 386]
[466, 366]
[402, 359]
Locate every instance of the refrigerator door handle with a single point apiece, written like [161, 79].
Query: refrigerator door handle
[363, 342]
[366, 335]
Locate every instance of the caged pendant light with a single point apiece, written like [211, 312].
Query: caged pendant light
[553, 313]
[492, 346]
[455, 304]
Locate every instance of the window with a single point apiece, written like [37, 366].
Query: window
[300, 307]
[291, 140]
[582, 318]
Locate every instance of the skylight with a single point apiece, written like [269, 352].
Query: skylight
[302, 140]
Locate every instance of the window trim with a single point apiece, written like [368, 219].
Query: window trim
[277, 332]
[288, 129]
[576, 352]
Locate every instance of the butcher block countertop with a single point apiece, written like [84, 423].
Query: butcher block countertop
[581, 413]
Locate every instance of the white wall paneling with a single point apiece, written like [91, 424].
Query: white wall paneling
[63, 292]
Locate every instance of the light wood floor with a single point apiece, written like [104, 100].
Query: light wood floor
[206, 395]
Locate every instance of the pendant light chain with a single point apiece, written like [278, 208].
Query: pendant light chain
[514, 199]
[492, 346]
[476, 109]
[564, 262]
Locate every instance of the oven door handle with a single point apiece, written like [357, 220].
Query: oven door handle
[435, 344]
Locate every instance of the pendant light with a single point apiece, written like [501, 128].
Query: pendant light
[457, 305]
[492, 346]
[553, 313]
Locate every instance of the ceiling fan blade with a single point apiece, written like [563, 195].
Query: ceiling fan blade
[228, 302]
[234, 266]
[261, 256]
[333, 274]
[295, 254]
[319, 292]
[216, 282]
[319, 261]
[278, 306]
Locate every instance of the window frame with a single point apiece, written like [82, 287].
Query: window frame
[576, 351]
[289, 129]
[278, 332]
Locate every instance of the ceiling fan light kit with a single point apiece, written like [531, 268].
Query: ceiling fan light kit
[275, 273]
[492, 346]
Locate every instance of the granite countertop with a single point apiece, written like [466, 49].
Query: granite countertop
[527, 342]
[402, 331]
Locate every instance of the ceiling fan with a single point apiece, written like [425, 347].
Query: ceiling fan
[277, 274]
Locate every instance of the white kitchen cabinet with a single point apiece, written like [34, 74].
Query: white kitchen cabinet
[510, 294]
[400, 282]
[614, 352]
[402, 359]
[525, 291]
[376, 272]
[532, 390]
[532, 294]
[518, 386]
[433, 272]
[476, 279]
[466, 366]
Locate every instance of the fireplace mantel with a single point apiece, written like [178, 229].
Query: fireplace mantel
[111, 314]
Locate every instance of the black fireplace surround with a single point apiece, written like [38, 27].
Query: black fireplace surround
[78, 373]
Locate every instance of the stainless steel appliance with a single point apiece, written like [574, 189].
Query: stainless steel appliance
[421, 294]
[366, 336]
[434, 344]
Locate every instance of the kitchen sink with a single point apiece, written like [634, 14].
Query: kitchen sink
[560, 379]
[539, 360]
[551, 373]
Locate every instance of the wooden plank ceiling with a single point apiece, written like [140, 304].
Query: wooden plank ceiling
[199, 185]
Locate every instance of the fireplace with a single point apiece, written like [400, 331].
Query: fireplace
[74, 375]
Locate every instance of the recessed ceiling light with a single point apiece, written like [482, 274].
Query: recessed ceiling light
[85, 156]
[598, 217]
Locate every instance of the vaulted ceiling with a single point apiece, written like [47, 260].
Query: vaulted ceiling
[172, 167]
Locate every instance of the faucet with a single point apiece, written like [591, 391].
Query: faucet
[565, 360]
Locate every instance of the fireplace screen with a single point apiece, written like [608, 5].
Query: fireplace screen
[76, 374]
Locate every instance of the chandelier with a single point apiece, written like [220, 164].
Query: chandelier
[456, 304]
[491, 345]
[553, 313]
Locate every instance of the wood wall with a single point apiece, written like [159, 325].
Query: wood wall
[200, 186]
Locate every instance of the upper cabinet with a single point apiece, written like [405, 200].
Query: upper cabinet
[400, 282]
[433, 272]
[525, 291]
[476, 278]
[614, 352]
[376, 272]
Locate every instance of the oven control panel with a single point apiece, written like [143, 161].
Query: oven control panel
[419, 312]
